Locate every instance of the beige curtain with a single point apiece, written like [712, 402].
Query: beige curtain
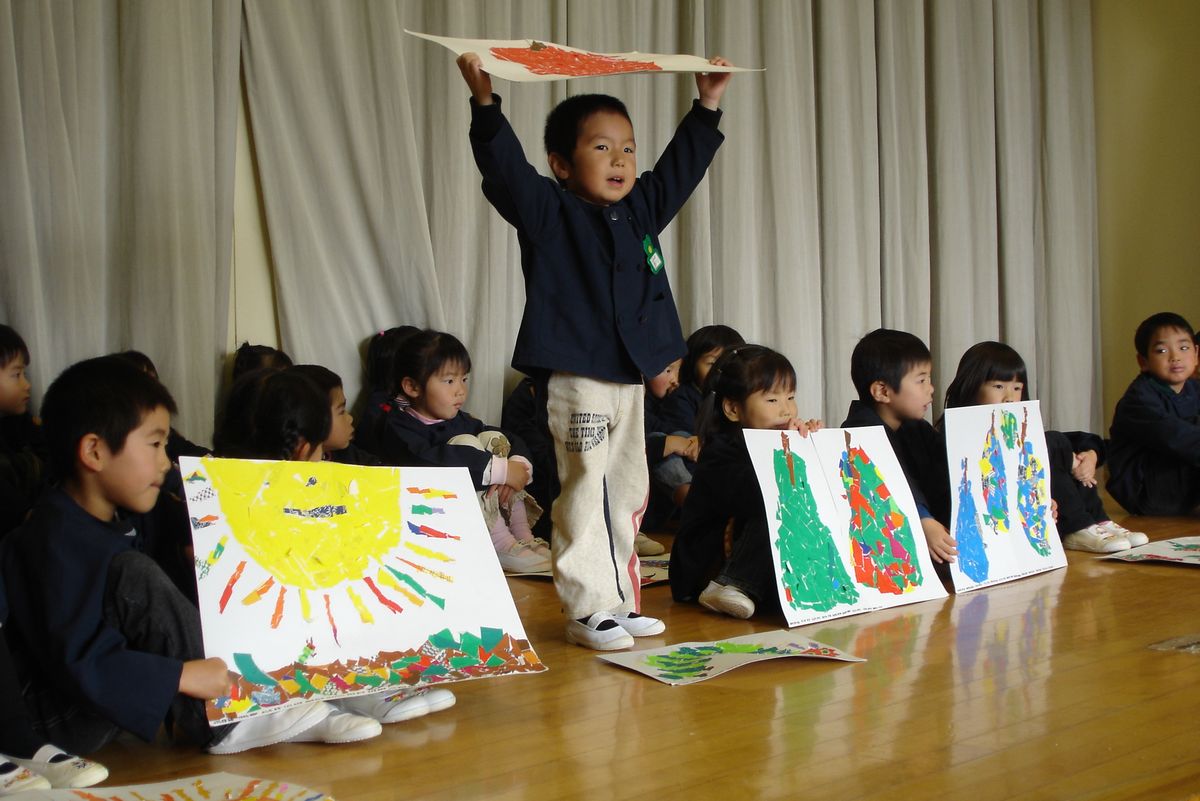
[116, 147]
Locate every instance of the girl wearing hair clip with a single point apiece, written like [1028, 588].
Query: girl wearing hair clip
[750, 386]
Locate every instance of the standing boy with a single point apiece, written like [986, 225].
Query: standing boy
[599, 318]
[892, 371]
[1154, 457]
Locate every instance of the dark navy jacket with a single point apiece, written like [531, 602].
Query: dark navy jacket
[404, 434]
[593, 305]
[724, 487]
[1155, 439]
[55, 568]
[921, 451]
[678, 411]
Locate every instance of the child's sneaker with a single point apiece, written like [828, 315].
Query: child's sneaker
[646, 546]
[523, 558]
[63, 770]
[540, 545]
[16, 779]
[279, 727]
[600, 632]
[1095, 539]
[1135, 538]
[728, 600]
[639, 625]
[340, 727]
[393, 707]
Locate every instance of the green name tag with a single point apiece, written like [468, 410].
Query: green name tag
[653, 256]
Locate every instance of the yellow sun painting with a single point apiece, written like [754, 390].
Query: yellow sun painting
[316, 530]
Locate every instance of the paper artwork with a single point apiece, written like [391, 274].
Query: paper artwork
[691, 662]
[1179, 551]
[537, 60]
[224, 786]
[1000, 494]
[845, 532]
[321, 580]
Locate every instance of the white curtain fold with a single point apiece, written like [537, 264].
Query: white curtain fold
[117, 149]
[920, 165]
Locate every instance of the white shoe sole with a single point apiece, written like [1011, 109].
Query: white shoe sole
[599, 640]
[313, 714]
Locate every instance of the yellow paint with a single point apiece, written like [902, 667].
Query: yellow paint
[305, 607]
[429, 553]
[318, 680]
[239, 705]
[310, 553]
[387, 579]
[363, 612]
[290, 687]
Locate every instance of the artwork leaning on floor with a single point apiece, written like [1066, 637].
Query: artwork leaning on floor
[1000, 512]
[845, 533]
[321, 580]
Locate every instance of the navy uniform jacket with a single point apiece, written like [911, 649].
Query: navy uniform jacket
[921, 451]
[404, 434]
[1155, 438]
[593, 304]
[678, 411]
[55, 567]
[724, 487]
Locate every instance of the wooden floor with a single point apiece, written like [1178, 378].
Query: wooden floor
[1044, 688]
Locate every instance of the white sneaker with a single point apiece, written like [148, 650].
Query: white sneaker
[646, 546]
[393, 707]
[639, 625]
[279, 727]
[1135, 538]
[63, 770]
[16, 779]
[540, 545]
[1095, 539]
[340, 727]
[589, 633]
[728, 600]
[523, 558]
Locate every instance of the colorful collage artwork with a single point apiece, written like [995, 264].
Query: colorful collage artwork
[320, 580]
[844, 526]
[1178, 551]
[533, 60]
[224, 786]
[691, 662]
[1000, 494]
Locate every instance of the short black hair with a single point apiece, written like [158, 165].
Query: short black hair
[11, 345]
[425, 353]
[702, 341]
[141, 361]
[249, 358]
[984, 362]
[563, 123]
[1150, 326]
[269, 412]
[885, 355]
[325, 379]
[107, 396]
[381, 356]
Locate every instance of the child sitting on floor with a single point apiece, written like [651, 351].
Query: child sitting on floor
[1154, 456]
[432, 370]
[750, 387]
[992, 372]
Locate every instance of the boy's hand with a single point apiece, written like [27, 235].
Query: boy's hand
[942, 546]
[204, 678]
[479, 81]
[687, 447]
[711, 85]
[1083, 468]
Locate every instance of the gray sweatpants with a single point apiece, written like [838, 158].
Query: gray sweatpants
[600, 444]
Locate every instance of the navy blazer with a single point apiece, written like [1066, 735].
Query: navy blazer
[55, 567]
[1155, 430]
[404, 434]
[593, 304]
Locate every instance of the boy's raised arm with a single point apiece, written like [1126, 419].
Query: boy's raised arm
[711, 85]
[477, 80]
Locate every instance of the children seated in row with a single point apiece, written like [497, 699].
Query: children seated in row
[599, 317]
[379, 392]
[672, 406]
[992, 372]
[892, 373]
[1154, 456]
[339, 445]
[433, 369]
[749, 387]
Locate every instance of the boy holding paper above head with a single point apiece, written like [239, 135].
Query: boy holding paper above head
[599, 319]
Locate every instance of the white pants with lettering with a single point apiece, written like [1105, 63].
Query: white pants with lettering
[600, 444]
